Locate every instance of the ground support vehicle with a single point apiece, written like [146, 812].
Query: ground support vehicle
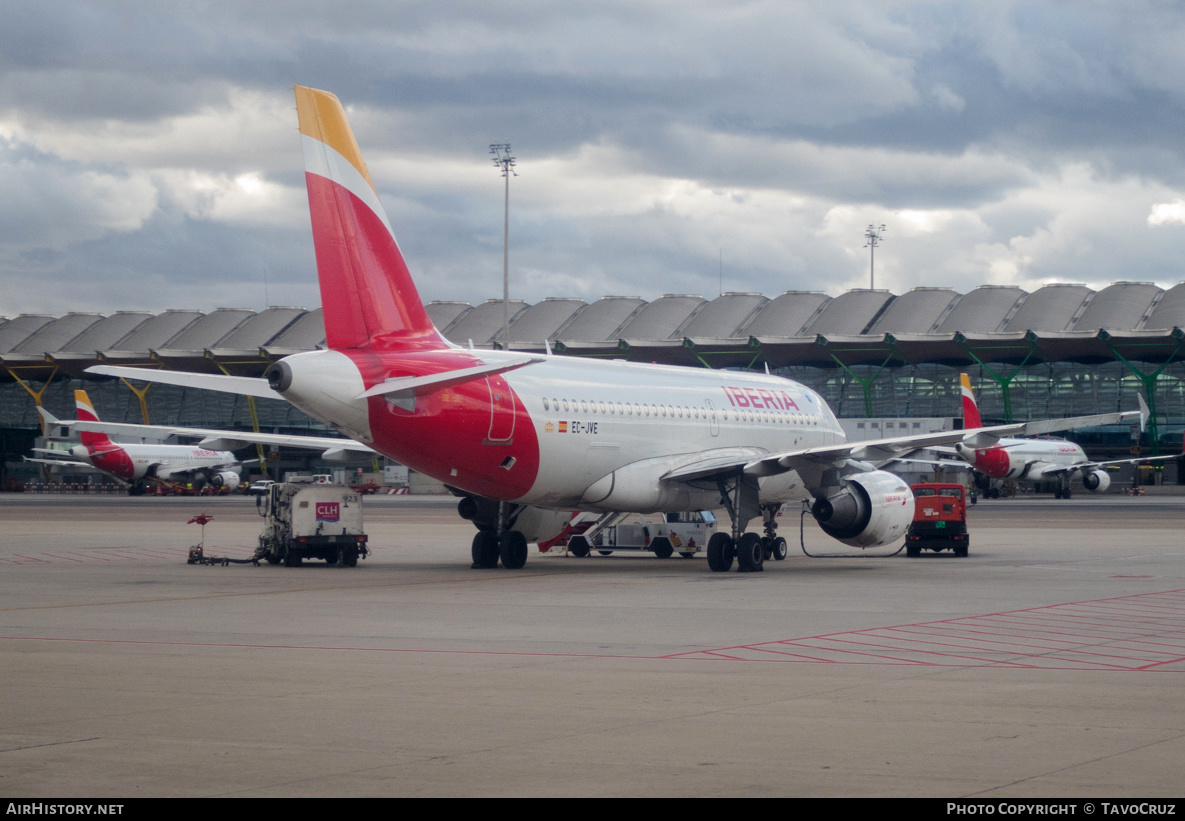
[939, 520]
[311, 521]
[663, 535]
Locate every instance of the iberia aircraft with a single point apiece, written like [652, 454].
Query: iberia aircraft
[135, 464]
[1036, 460]
[525, 439]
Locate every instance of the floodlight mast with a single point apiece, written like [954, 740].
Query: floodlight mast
[875, 236]
[504, 161]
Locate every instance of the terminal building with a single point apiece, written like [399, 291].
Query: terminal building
[1061, 350]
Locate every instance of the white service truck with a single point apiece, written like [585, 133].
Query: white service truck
[663, 535]
[311, 521]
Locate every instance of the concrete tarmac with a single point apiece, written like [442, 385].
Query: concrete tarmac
[1047, 663]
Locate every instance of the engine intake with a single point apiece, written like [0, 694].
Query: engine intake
[869, 510]
[1097, 481]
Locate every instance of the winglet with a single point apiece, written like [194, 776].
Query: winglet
[367, 293]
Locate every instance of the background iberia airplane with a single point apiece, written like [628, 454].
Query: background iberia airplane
[135, 464]
[526, 439]
[1036, 460]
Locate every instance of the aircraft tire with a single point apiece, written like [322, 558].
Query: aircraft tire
[578, 547]
[485, 549]
[780, 550]
[720, 552]
[512, 549]
[750, 554]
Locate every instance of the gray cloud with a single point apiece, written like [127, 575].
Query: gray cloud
[149, 159]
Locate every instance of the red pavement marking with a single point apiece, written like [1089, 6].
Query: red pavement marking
[1141, 632]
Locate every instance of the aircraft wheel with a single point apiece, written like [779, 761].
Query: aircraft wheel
[720, 552]
[767, 545]
[512, 548]
[779, 549]
[485, 549]
[578, 547]
[750, 554]
[662, 548]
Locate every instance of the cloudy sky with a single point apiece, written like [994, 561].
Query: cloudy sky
[149, 156]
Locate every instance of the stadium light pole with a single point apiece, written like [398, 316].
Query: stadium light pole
[874, 236]
[505, 161]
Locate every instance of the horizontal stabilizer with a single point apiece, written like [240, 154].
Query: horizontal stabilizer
[67, 462]
[242, 385]
[421, 384]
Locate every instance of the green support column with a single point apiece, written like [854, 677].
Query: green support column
[1148, 380]
[1005, 382]
[865, 383]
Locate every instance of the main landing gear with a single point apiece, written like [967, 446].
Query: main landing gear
[749, 549]
[496, 541]
[1062, 490]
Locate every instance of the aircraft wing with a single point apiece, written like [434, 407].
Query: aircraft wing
[885, 450]
[1088, 466]
[226, 439]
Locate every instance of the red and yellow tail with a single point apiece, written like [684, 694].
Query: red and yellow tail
[970, 409]
[367, 293]
[86, 413]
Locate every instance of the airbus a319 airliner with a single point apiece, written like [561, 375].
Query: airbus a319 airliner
[1037, 460]
[526, 439]
[138, 464]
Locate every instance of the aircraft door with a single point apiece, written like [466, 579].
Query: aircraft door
[501, 411]
[713, 417]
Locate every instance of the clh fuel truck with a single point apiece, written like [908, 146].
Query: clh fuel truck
[311, 521]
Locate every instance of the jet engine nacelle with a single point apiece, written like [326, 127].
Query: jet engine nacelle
[1097, 481]
[227, 479]
[871, 509]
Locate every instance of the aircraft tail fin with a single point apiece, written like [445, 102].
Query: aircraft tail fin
[970, 409]
[86, 413]
[367, 293]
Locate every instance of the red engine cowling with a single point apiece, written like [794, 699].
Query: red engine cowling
[1097, 481]
[870, 509]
